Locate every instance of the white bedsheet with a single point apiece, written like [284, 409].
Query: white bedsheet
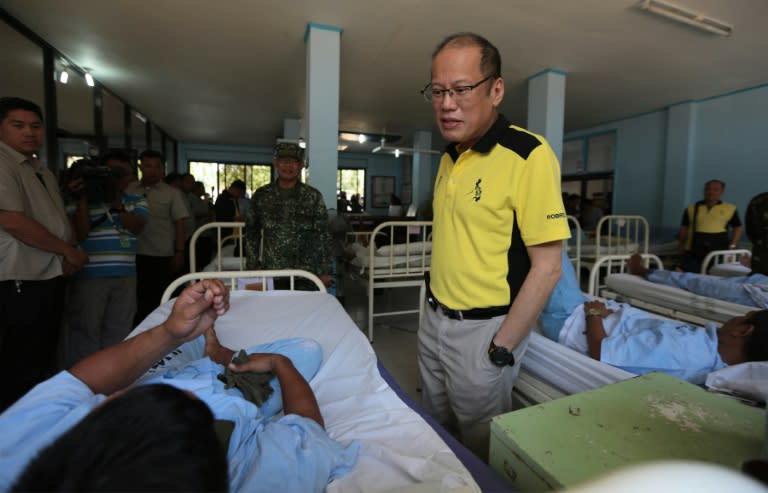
[564, 370]
[363, 262]
[732, 269]
[228, 260]
[589, 249]
[675, 298]
[398, 447]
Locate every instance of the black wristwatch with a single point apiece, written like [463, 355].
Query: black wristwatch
[500, 356]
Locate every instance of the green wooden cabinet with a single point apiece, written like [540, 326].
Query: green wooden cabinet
[567, 441]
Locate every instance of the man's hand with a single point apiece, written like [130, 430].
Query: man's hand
[598, 305]
[76, 187]
[298, 397]
[177, 262]
[74, 260]
[197, 308]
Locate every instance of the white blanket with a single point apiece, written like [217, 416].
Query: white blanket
[398, 447]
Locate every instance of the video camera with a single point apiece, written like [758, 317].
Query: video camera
[98, 181]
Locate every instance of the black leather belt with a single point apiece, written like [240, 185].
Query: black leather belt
[471, 314]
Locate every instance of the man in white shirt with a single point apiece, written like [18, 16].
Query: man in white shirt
[37, 250]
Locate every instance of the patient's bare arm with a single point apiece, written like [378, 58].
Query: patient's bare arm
[116, 367]
[298, 397]
[214, 350]
[594, 312]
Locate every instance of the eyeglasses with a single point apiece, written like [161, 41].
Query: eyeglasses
[430, 93]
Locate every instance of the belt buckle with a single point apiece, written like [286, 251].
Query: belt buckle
[454, 314]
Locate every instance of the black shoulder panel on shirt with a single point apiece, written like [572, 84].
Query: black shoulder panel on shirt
[519, 142]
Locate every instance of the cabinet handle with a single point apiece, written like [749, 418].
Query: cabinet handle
[509, 470]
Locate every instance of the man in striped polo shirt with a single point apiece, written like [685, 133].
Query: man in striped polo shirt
[102, 297]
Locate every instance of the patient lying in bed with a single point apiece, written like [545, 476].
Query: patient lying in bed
[745, 290]
[178, 428]
[636, 341]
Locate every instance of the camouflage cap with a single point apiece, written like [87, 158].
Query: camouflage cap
[288, 150]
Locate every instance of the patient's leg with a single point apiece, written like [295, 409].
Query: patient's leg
[725, 289]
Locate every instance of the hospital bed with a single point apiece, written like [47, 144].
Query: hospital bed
[725, 263]
[616, 235]
[224, 258]
[658, 298]
[357, 397]
[397, 256]
[550, 370]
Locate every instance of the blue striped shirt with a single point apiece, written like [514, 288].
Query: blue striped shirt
[111, 248]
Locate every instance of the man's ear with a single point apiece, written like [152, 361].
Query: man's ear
[743, 330]
[497, 91]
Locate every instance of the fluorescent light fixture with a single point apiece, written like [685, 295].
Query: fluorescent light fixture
[361, 138]
[686, 16]
[141, 117]
[64, 77]
[89, 79]
[341, 147]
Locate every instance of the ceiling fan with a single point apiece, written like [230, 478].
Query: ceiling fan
[398, 151]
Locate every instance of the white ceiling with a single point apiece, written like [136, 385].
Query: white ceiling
[229, 72]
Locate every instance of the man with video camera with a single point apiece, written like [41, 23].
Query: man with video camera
[102, 296]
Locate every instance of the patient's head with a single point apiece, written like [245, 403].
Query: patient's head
[151, 438]
[744, 338]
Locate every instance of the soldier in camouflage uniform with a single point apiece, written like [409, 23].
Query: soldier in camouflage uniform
[757, 231]
[293, 219]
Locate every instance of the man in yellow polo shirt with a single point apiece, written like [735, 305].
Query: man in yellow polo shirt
[705, 224]
[498, 224]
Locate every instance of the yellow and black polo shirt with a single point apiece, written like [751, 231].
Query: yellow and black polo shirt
[710, 221]
[489, 203]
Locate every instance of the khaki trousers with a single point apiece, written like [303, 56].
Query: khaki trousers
[460, 385]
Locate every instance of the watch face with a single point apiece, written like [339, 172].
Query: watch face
[500, 356]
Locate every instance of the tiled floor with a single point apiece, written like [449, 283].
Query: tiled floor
[395, 336]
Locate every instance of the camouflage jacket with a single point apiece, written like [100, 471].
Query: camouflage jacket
[295, 228]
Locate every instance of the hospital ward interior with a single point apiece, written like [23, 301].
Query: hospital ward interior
[431, 246]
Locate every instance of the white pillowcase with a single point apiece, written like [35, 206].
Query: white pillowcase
[413, 248]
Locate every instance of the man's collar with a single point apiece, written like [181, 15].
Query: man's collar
[487, 141]
[15, 155]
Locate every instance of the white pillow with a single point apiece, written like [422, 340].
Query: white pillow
[413, 248]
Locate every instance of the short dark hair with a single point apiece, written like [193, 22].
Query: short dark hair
[490, 59]
[116, 155]
[8, 104]
[151, 153]
[239, 184]
[756, 345]
[152, 438]
[172, 177]
[721, 182]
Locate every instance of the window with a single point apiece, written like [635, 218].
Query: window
[587, 168]
[217, 177]
[351, 181]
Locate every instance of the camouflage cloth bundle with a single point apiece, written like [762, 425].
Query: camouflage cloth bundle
[254, 385]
